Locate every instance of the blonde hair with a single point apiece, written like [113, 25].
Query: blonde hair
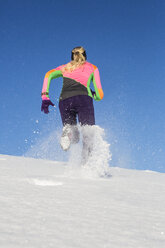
[78, 59]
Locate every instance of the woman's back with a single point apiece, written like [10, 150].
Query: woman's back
[81, 74]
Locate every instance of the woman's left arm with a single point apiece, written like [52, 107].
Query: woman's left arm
[55, 73]
[46, 102]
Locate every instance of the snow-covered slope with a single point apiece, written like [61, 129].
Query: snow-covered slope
[53, 204]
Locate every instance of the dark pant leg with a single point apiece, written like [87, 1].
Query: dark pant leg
[85, 111]
[86, 118]
[68, 116]
[67, 111]
[82, 106]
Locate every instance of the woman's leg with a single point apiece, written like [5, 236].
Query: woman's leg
[86, 118]
[70, 133]
[67, 111]
[83, 107]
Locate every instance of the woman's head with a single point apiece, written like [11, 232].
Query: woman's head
[78, 57]
[78, 54]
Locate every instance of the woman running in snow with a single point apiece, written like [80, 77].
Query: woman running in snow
[76, 98]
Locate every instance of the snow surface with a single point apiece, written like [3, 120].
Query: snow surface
[53, 204]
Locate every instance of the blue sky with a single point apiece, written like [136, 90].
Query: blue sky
[125, 39]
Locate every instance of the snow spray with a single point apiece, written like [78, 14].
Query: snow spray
[97, 164]
[48, 147]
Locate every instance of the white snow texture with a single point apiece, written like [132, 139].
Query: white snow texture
[43, 206]
[46, 203]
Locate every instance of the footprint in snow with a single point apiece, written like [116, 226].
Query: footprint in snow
[44, 182]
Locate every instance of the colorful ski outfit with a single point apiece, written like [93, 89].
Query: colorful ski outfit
[76, 97]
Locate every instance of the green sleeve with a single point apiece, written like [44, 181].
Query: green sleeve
[53, 75]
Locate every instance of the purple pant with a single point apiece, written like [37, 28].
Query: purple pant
[80, 106]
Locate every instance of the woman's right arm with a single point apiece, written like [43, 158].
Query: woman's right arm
[97, 85]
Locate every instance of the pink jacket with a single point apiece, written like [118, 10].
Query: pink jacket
[76, 82]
